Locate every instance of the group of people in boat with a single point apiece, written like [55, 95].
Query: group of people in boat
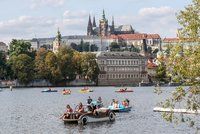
[123, 89]
[66, 91]
[93, 106]
[116, 104]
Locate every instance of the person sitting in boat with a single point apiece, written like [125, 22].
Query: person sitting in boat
[89, 100]
[49, 89]
[116, 104]
[113, 102]
[68, 111]
[80, 108]
[125, 103]
[99, 102]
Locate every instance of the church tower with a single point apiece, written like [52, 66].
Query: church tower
[94, 22]
[57, 42]
[113, 26]
[89, 27]
[103, 26]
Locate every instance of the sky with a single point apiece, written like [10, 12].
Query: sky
[27, 19]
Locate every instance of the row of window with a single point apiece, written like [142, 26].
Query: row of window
[121, 62]
[123, 69]
[120, 76]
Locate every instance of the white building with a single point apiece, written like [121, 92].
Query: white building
[121, 68]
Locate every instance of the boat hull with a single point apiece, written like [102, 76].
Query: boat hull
[124, 91]
[47, 91]
[90, 118]
[121, 109]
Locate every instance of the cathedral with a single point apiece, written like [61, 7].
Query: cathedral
[105, 29]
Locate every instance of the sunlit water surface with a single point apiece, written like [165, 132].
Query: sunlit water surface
[28, 111]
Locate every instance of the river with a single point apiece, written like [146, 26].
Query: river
[28, 111]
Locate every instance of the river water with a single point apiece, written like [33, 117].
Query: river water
[28, 111]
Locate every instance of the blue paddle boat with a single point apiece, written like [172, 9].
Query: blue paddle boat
[49, 91]
[121, 108]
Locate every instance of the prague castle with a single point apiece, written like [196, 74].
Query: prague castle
[102, 36]
[105, 29]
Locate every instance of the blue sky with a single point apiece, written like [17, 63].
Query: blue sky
[41, 18]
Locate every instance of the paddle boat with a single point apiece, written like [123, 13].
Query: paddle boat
[49, 91]
[104, 114]
[121, 108]
[66, 92]
[123, 90]
[85, 90]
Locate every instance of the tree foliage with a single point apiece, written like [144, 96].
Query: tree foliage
[23, 68]
[19, 47]
[184, 66]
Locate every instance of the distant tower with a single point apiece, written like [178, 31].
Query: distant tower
[103, 26]
[89, 28]
[57, 42]
[113, 26]
[144, 46]
[94, 22]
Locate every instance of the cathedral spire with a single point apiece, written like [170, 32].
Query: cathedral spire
[113, 25]
[103, 16]
[94, 22]
[89, 28]
[59, 36]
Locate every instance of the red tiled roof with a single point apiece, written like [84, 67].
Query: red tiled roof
[151, 65]
[170, 40]
[153, 36]
[138, 36]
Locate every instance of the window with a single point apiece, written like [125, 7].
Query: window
[129, 62]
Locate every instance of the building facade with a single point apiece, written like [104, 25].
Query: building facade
[121, 68]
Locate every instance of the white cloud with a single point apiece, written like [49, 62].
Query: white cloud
[39, 3]
[161, 20]
[29, 26]
[77, 14]
[153, 11]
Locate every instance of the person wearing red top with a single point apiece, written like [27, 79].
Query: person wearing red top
[69, 110]
[80, 108]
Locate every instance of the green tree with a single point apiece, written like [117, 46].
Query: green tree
[134, 49]
[93, 48]
[66, 64]
[41, 69]
[23, 68]
[161, 72]
[190, 21]
[90, 69]
[52, 64]
[77, 61]
[19, 47]
[114, 46]
[3, 70]
[185, 64]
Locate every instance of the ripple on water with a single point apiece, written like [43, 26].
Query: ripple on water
[30, 111]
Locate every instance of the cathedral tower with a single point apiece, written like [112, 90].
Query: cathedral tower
[89, 27]
[113, 26]
[103, 26]
[94, 22]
